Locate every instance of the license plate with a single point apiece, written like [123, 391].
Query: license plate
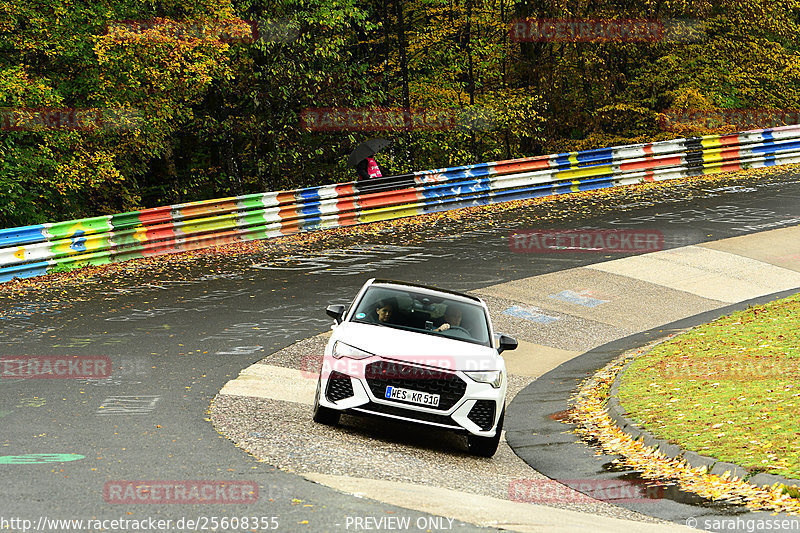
[413, 396]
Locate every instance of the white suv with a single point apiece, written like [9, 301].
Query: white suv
[416, 354]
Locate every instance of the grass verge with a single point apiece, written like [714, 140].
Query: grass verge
[729, 389]
[589, 413]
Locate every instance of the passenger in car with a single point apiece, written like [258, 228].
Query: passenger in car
[385, 309]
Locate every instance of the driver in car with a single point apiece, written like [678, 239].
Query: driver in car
[452, 317]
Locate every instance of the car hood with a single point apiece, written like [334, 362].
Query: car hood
[418, 348]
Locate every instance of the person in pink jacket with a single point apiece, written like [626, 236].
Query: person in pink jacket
[368, 168]
[373, 169]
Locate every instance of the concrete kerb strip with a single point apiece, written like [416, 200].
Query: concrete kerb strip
[273, 382]
[710, 273]
[620, 416]
[484, 510]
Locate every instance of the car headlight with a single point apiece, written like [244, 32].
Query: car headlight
[341, 349]
[493, 377]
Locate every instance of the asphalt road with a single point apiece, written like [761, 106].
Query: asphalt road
[175, 335]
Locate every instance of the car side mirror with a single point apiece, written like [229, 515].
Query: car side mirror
[507, 343]
[336, 312]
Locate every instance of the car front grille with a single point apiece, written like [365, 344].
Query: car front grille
[390, 410]
[482, 413]
[339, 387]
[447, 385]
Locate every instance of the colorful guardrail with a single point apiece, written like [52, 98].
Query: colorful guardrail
[36, 250]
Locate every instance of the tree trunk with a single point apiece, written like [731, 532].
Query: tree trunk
[172, 174]
[473, 145]
[232, 166]
[402, 45]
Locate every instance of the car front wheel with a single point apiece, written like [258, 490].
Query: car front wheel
[486, 446]
[324, 415]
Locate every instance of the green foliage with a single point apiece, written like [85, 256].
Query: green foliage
[188, 115]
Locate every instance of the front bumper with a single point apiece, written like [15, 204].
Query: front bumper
[465, 406]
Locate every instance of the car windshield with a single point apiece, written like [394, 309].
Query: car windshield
[432, 314]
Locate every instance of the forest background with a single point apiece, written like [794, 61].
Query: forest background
[176, 103]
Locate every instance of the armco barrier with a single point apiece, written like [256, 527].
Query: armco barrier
[35, 250]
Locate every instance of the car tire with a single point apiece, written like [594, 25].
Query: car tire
[486, 446]
[324, 415]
